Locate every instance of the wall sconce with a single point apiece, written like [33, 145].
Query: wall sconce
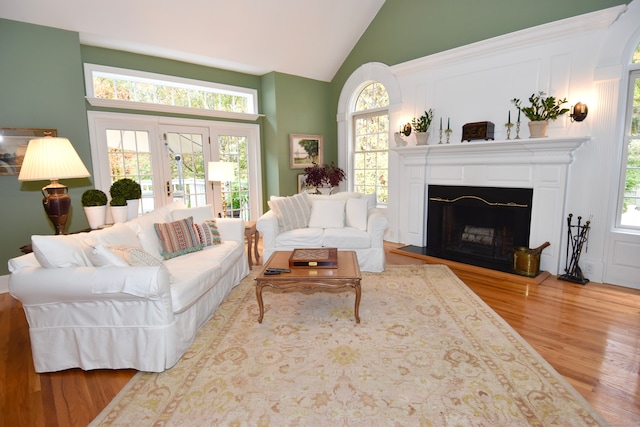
[579, 112]
[406, 129]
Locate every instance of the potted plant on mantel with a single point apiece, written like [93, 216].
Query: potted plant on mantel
[421, 127]
[130, 191]
[94, 202]
[540, 112]
[324, 177]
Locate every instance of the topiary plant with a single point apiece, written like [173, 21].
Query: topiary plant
[118, 201]
[94, 197]
[125, 188]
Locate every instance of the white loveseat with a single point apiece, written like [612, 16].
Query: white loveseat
[108, 299]
[347, 221]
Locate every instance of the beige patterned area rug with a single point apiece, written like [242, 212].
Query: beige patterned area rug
[428, 352]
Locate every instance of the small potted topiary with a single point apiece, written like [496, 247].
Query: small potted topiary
[421, 127]
[129, 190]
[119, 209]
[94, 203]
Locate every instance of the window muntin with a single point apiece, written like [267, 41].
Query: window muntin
[371, 142]
[150, 91]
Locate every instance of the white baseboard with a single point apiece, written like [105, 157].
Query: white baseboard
[4, 284]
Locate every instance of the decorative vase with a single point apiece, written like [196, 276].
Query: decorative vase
[400, 141]
[133, 207]
[538, 129]
[324, 190]
[422, 138]
[96, 215]
[119, 213]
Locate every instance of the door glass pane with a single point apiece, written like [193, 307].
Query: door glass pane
[130, 157]
[631, 202]
[186, 158]
[234, 149]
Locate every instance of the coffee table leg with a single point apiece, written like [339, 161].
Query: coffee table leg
[357, 307]
[259, 297]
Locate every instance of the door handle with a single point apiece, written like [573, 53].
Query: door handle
[169, 188]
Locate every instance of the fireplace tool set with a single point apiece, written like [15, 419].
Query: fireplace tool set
[577, 237]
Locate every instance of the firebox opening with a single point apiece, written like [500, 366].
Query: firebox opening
[477, 225]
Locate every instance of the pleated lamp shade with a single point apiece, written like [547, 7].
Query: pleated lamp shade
[51, 158]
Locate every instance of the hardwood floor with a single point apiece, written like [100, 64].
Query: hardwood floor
[590, 334]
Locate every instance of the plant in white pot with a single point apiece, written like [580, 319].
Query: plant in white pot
[421, 127]
[119, 209]
[94, 202]
[130, 191]
[324, 177]
[542, 110]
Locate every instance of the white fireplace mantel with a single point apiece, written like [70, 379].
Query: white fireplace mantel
[541, 164]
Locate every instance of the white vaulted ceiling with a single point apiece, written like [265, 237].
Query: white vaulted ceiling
[308, 38]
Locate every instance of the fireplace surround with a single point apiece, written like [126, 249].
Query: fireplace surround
[540, 165]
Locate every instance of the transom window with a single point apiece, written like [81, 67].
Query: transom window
[629, 205]
[371, 142]
[123, 88]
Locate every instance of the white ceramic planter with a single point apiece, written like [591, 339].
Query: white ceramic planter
[538, 129]
[96, 215]
[119, 213]
[133, 207]
[422, 138]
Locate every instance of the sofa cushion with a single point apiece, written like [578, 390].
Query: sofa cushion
[60, 251]
[118, 234]
[177, 238]
[199, 214]
[145, 231]
[101, 256]
[372, 200]
[346, 238]
[207, 233]
[300, 238]
[327, 214]
[356, 213]
[292, 211]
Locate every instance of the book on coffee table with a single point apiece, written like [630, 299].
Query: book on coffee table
[314, 258]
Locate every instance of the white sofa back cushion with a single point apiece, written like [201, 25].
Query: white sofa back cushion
[292, 211]
[60, 251]
[356, 213]
[200, 214]
[327, 214]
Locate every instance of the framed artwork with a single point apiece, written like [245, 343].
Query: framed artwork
[305, 150]
[302, 182]
[13, 145]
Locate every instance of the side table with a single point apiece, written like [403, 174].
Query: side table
[252, 235]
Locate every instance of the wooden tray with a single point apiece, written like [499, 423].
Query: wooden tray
[314, 258]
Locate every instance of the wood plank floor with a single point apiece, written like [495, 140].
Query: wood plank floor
[590, 334]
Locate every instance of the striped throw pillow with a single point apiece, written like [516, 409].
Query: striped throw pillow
[207, 233]
[292, 211]
[177, 237]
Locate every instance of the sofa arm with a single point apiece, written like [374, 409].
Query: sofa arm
[231, 228]
[377, 224]
[39, 285]
[268, 227]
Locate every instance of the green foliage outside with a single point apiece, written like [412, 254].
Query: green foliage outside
[632, 179]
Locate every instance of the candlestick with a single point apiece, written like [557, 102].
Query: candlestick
[518, 116]
[509, 121]
[518, 130]
[448, 123]
[440, 123]
[440, 133]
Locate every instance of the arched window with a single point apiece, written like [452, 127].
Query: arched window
[629, 200]
[371, 141]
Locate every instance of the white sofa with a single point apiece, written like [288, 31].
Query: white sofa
[347, 221]
[108, 299]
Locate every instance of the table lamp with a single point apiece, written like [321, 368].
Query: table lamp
[53, 158]
[221, 172]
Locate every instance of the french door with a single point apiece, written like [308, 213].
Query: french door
[169, 158]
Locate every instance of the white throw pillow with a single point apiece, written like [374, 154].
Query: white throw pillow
[103, 257]
[60, 251]
[327, 214]
[117, 234]
[372, 200]
[199, 214]
[356, 213]
[292, 211]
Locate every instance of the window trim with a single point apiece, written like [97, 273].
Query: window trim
[90, 69]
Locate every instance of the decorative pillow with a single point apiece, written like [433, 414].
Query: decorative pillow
[117, 235]
[134, 256]
[199, 214]
[372, 200]
[327, 214]
[100, 256]
[177, 237]
[207, 233]
[292, 211]
[60, 251]
[356, 213]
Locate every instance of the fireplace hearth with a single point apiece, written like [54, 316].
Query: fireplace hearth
[477, 225]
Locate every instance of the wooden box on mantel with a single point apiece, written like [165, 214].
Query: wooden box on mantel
[478, 130]
[314, 258]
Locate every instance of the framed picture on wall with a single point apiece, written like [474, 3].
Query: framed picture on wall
[13, 145]
[302, 182]
[305, 150]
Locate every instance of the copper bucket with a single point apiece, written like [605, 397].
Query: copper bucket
[527, 261]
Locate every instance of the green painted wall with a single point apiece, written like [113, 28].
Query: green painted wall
[41, 86]
[408, 29]
[293, 104]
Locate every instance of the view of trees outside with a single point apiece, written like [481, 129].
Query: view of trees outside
[371, 142]
[631, 203]
[186, 160]
[234, 149]
[130, 89]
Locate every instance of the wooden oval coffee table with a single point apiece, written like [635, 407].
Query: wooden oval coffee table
[347, 274]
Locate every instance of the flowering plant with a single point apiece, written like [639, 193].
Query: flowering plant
[324, 175]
